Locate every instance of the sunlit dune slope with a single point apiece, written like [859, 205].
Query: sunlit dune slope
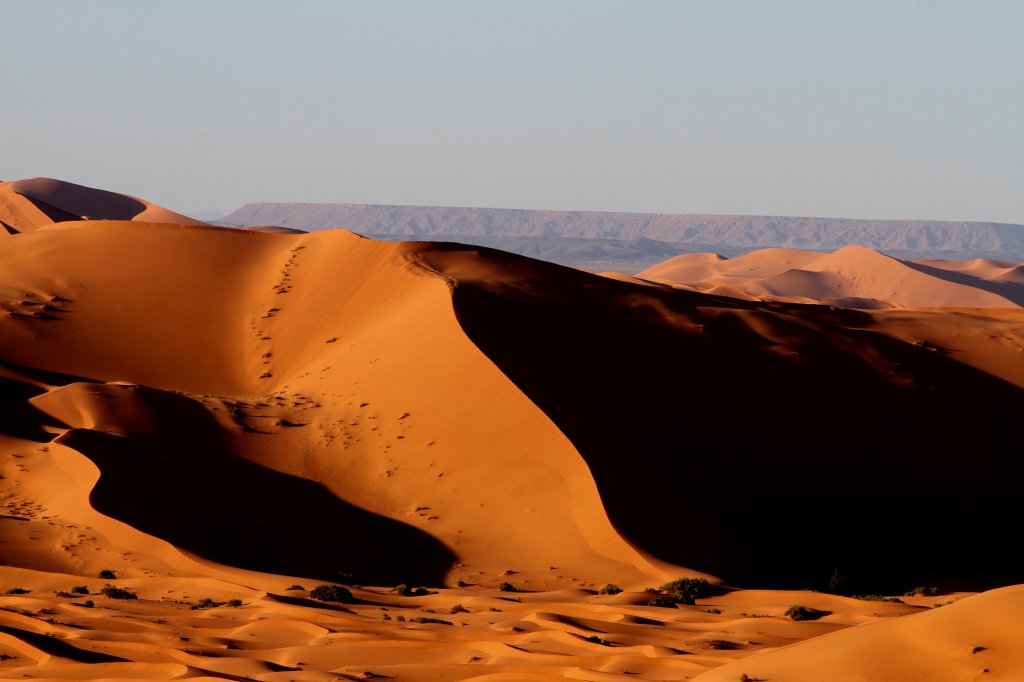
[303, 405]
[974, 639]
[853, 276]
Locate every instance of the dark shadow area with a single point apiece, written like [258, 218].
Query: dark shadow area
[62, 201]
[58, 647]
[1008, 290]
[180, 481]
[839, 452]
[55, 214]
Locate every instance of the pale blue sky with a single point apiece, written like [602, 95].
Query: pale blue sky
[891, 109]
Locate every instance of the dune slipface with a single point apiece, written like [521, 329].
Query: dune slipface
[219, 415]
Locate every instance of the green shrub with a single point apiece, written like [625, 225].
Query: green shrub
[117, 593]
[507, 587]
[878, 597]
[610, 589]
[805, 613]
[923, 592]
[80, 589]
[458, 608]
[687, 590]
[407, 591]
[235, 602]
[88, 603]
[439, 621]
[663, 602]
[206, 603]
[107, 574]
[332, 593]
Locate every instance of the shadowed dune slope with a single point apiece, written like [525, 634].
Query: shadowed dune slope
[770, 444]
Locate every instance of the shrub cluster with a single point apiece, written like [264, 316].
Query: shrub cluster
[407, 591]
[331, 593]
[798, 612]
[687, 590]
[117, 593]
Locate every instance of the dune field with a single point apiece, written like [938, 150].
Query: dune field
[220, 420]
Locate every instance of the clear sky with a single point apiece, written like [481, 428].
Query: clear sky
[888, 109]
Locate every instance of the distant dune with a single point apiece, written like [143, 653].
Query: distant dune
[29, 205]
[852, 277]
[243, 414]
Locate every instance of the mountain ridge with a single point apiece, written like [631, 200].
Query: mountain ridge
[740, 231]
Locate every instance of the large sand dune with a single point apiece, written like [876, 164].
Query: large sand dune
[225, 413]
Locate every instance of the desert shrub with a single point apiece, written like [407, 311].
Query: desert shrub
[400, 618]
[687, 590]
[597, 640]
[64, 594]
[107, 574]
[80, 589]
[663, 602]
[407, 591]
[610, 589]
[206, 603]
[17, 590]
[439, 621]
[507, 587]
[878, 597]
[235, 602]
[458, 608]
[333, 593]
[295, 587]
[798, 612]
[462, 583]
[713, 610]
[923, 592]
[88, 603]
[117, 593]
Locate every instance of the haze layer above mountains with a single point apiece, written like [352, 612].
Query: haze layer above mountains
[630, 242]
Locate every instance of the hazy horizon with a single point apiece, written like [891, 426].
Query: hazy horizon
[869, 110]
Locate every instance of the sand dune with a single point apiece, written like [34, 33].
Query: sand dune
[29, 205]
[224, 414]
[976, 638]
[853, 276]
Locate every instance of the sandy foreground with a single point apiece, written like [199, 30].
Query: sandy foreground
[218, 414]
